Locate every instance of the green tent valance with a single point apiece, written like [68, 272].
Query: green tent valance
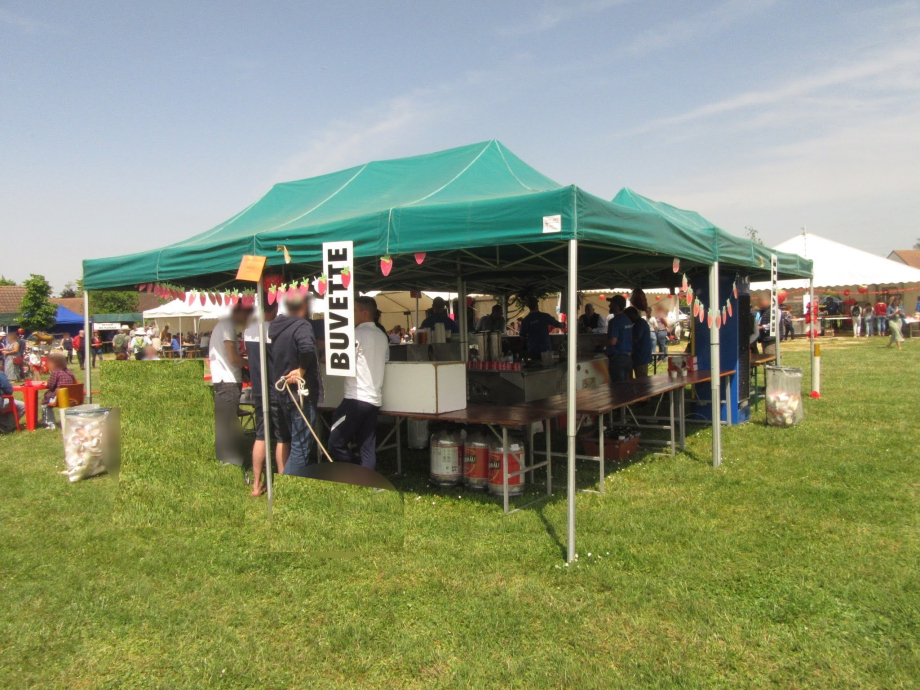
[118, 318]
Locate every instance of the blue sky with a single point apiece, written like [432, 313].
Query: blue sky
[126, 126]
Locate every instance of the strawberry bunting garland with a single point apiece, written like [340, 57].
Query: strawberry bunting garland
[275, 291]
[714, 316]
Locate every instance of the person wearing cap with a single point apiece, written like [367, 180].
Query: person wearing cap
[139, 343]
[120, 343]
[293, 358]
[356, 416]
[439, 315]
[278, 431]
[619, 341]
[535, 329]
[227, 378]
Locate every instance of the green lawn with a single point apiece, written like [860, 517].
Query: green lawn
[795, 565]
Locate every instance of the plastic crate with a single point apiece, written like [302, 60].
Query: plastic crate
[615, 448]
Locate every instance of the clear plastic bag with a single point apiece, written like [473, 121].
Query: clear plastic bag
[91, 441]
[784, 396]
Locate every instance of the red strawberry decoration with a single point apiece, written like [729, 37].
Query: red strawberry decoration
[386, 264]
[729, 307]
[683, 283]
[235, 298]
[696, 309]
[710, 320]
[346, 277]
[735, 290]
[202, 298]
[675, 265]
[272, 294]
[320, 285]
[304, 288]
[419, 258]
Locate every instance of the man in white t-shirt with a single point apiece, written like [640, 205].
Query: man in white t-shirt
[356, 416]
[227, 376]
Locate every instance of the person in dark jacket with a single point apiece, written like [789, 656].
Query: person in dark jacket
[292, 357]
[765, 316]
[279, 432]
[642, 343]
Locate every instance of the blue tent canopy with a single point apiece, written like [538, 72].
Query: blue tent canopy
[65, 319]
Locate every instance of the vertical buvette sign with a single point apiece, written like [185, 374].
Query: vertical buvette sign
[340, 297]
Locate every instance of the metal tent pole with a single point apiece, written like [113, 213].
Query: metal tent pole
[572, 346]
[461, 319]
[811, 327]
[87, 344]
[715, 368]
[266, 415]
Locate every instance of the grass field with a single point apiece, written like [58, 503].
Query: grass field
[795, 565]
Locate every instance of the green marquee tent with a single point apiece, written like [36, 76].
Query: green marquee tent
[480, 207]
[486, 221]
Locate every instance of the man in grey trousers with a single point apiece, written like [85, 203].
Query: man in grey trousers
[227, 376]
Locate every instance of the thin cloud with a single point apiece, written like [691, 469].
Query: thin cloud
[550, 15]
[26, 25]
[689, 29]
[879, 66]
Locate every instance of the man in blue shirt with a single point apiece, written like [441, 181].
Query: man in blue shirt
[619, 341]
[535, 329]
[439, 315]
[642, 343]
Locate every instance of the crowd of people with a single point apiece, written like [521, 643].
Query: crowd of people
[17, 368]
[869, 320]
[293, 348]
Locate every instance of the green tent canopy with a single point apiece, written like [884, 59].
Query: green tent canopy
[727, 248]
[478, 210]
[136, 317]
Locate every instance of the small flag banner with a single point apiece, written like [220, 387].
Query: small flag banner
[717, 317]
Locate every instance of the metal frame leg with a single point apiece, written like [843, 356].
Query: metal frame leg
[600, 445]
[399, 421]
[673, 440]
[683, 417]
[533, 460]
[505, 450]
[549, 458]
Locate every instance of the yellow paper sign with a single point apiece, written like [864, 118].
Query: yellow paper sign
[251, 268]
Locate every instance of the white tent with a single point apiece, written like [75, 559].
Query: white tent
[839, 266]
[200, 317]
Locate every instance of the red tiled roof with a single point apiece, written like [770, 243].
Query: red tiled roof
[75, 304]
[10, 297]
[909, 256]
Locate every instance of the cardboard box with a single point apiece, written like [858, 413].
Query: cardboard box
[424, 387]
